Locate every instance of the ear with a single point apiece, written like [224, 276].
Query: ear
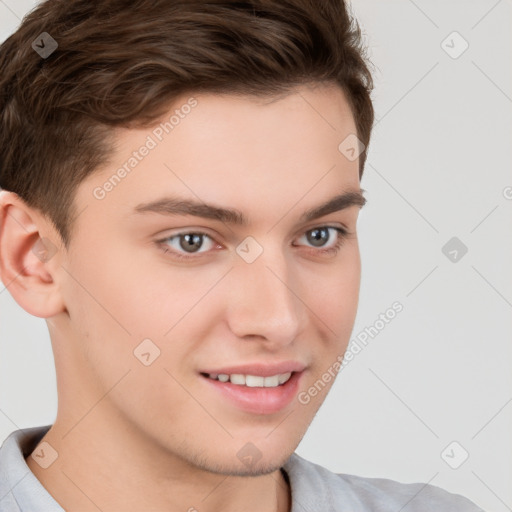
[30, 251]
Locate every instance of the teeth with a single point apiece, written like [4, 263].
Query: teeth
[252, 381]
[284, 377]
[271, 382]
[236, 378]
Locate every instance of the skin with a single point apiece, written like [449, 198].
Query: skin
[133, 437]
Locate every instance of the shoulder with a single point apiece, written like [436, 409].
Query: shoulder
[340, 491]
[19, 488]
[384, 494]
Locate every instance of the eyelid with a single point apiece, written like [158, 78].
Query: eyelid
[343, 233]
[207, 231]
[326, 224]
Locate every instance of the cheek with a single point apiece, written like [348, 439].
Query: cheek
[143, 291]
[119, 289]
[334, 301]
[101, 298]
[335, 289]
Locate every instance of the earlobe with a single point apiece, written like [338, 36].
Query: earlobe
[28, 258]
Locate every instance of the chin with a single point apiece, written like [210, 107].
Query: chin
[247, 461]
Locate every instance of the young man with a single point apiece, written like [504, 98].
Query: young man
[181, 187]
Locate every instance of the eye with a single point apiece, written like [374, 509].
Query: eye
[185, 241]
[320, 235]
[186, 244]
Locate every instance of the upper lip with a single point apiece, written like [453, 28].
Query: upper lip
[259, 369]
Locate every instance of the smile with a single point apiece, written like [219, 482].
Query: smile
[250, 393]
[252, 381]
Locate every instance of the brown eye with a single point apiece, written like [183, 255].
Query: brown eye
[186, 242]
[190, 241]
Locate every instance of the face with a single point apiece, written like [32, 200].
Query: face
[157, 296]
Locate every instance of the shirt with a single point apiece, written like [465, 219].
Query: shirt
[313, 487]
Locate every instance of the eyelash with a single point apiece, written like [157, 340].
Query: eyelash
[332, 251]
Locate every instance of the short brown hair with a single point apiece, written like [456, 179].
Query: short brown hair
[121, 63]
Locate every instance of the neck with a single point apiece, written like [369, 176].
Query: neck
[101, 465]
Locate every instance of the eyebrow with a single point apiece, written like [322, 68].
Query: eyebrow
[182, 206]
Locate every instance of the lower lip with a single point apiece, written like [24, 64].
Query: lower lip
[259, 400]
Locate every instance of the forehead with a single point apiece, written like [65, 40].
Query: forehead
[241, 151]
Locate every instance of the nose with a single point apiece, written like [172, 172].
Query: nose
[265, 301]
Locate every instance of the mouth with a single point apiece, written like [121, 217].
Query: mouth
[254, 393]
[251, 381]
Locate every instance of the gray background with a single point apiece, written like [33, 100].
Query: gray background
[438, 168]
